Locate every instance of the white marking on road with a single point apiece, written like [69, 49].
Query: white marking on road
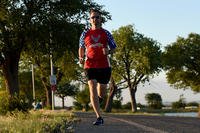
[146, 128]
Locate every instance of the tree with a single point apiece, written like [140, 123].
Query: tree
[136, 59]
[2, 10]
[154, 100]
[37, 28]
[182, 62]
[112, 92]
[180, 103]
[66, 90]
[83, 99]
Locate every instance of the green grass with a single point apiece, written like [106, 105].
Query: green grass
[43, 121]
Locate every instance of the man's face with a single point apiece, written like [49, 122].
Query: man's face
[95, 19]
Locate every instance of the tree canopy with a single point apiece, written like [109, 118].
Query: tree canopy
[36, 29]
[154, 100]
[137, 58]
[182, 62]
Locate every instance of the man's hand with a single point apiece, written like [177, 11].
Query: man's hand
[81, 60]
[106, 51]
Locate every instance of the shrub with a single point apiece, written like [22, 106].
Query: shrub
[77, 106]
[178, 105]
[117, 104]
[193, 104]
[127, 105]
[9, 104]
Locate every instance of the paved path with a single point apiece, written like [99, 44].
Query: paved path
[137, 124]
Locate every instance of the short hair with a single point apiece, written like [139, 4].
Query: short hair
[95, 10]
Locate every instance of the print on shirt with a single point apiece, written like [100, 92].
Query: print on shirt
[95, 39]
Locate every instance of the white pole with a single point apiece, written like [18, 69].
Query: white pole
[33, 82]
[52, 75]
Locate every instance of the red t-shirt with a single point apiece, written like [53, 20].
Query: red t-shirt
[94, 41]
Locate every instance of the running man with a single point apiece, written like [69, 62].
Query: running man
[95, 45]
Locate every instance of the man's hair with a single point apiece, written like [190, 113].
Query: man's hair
[95, 10]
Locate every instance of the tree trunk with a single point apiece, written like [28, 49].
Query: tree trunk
[10, 72]
[49, 96]
[63, 102]
[133, 100]
[113, 88]
[48, 92]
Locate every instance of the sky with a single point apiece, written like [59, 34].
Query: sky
[162, 20]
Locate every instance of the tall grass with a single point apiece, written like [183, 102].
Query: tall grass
[38, 122]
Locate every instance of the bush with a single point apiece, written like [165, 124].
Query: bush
[178, 105]
[127, 105]
[77, 106]
[9, 104]
[117, 104]
[193, 104]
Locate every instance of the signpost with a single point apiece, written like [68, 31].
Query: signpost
[52, 82]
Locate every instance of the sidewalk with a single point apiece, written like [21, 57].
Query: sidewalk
[116, 123]
[110, 125]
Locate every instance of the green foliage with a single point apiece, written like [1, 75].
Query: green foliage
[140, 105]
[182, 62]
[127, 105]
[136, 55]
[137, 58]
[35, 29]
[26, 86]
[179, 104]
[154, 100]
[77, 105]
[82, 99]
[38, 122]
[66, 90]
[193, 104]
[117, 104]
[2, 83]
[10, 104]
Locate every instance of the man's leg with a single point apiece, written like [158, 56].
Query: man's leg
[94, 96]
[101, 90]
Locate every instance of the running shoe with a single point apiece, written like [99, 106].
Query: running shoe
[99, 121]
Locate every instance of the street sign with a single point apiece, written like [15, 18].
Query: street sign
[53, 79]
[53, 87]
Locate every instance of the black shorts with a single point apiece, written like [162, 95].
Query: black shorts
[101, 75]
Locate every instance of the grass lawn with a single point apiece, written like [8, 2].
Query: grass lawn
[42, 121]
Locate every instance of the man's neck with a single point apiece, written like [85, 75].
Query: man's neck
[95, 27]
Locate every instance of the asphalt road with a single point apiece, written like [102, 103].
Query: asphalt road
[137, 124]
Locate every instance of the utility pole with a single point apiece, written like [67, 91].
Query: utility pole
[52, 81]
[52, 77]
[33, 81]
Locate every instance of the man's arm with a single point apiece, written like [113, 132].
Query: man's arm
[81, 53]
[111, 43]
